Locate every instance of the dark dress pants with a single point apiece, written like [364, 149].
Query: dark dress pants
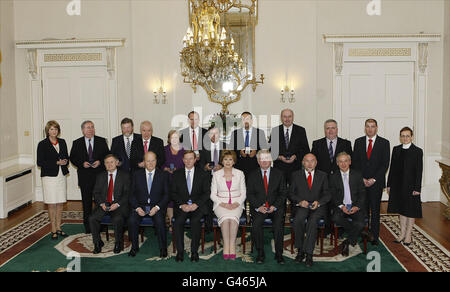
[277, 227]
[86, 196]
[310, 228]
[352, 228]
[159, 223]
[118, 217]
[373, 203]
[196, 228]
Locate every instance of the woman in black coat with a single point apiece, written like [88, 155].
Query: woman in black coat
[53, 158]
[405, 183]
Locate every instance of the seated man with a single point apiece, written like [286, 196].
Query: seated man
[191, 202]
[309, 195]
[149, 197]
[348, 199]
[111, 193]
[266, 192]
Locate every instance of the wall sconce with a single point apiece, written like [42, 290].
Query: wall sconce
[158, 93]
[287, 94]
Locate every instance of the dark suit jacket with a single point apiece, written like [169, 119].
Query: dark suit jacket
[118, 149]
[299, 189]
[320, 150]
[186, 140]
[277, 189]
[357, 189]
[378, 164]
[257, 142]
[205, 154]
[47, 157]
[159, 194]
[298, 145]
[201, 189]
[121, 189]
[411, 177]
[79, 155]
[137, 151]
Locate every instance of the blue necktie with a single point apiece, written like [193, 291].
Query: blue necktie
[188, 181]
[247, 139]
[330, 151]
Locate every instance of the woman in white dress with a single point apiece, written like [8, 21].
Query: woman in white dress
[228, 193]
[53, 159]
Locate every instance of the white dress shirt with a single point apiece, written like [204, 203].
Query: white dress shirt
[197, 130]
[406, 146]
[244, 132]
[87, 143]
[114, 180]
[192, 175]
[129, 138]
[215, 146]
[290, 131]
[332, 145]
[148, 143]
[373, 141]
[312, 176]
[343, 179]
[147, 173]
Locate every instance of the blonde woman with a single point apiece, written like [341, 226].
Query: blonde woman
[53, 159]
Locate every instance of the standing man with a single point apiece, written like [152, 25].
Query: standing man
[87, 155]
[111, 193]
[308, 194]
[348, 196]
[371, 158]
[246, 142]
[211, 152]
[122, 144]
[145, 143]
[190, 190]
[267, 192]
[192, 136]
[149, 197]
[327, 148]
[288, 144]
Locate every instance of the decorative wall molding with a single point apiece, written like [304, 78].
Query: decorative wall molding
[76, 57]
[376, 52]
[423, 57]
[71, 43]
[367, 38]
[338, 57]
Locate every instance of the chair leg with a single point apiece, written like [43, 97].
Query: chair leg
[331, 234]
[203, 239]
[107, 232]
[244, 230]
[215, 238]
[365, 241]
[141, 231]
[336, 240]
[174, 247]
[292, 240]
[322, 235]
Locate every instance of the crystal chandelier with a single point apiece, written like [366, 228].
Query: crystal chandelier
[209, 59]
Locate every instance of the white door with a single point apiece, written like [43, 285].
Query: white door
[380, 90]
[72, 95]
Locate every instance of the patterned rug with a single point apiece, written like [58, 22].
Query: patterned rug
[424, 254]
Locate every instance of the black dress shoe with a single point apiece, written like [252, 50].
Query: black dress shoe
[309, 260]
[194, 257]
[345, 248]
[97, 249]
[179, 257]
[407, 243]
[132, 252]
[279, 259]
[397, 241]
[163, 253]
[260, 258]
[101, 243]
[118, 247]
[300, 257]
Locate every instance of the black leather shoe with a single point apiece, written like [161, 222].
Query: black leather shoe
[300, 257]
[260, 258]
[345, 248]
[163, 253]
[194, 257]
[101, 243]
[309, 260]
[179, 257]
[279, 259]
[97, 249]
[118, 247]
[132, 252]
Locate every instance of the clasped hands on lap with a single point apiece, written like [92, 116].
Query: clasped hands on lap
[142, 213]
[113, 207]
[93, 165]
[305, 204]
[290, 160]
[230, 206]
[352, 211]
[189, 208]
[264, 210]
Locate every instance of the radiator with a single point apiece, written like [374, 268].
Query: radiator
[16, 189]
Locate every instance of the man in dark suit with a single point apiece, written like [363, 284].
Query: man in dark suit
[289, 144]
[371, 158]
[111, 193]
[267, 192]
[308, 194]
[246, 142]
[190, 190]
[122, 144]
[145, 143]
[348, 196]
[327, 148]
[87, 155]
[192, 137]
[149, 197]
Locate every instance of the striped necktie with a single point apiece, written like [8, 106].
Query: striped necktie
[128, 147]
[330, 151]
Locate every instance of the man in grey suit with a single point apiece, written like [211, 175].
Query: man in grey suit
[309, 195]
[111, 193]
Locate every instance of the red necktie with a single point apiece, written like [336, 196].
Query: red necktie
[309, 180]
[110, 189]
[266, 186]
[194, 141]
[145, 146]
[369, 149]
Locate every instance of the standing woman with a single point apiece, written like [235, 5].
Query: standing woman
[404, 184]
[53, 158]
[228, 193]
[174, 153]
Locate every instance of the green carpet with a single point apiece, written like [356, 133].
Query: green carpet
[42, 256]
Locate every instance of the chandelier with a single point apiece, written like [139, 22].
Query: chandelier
[209, 59]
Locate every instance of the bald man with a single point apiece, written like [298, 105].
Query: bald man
[309, 195]
[147, 142]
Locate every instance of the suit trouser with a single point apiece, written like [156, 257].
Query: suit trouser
[310, 228]
[86, 196]
[277, 227]
[354, 227]
[117, 219]
[158, 221]
[196, 228]
[373, 203]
